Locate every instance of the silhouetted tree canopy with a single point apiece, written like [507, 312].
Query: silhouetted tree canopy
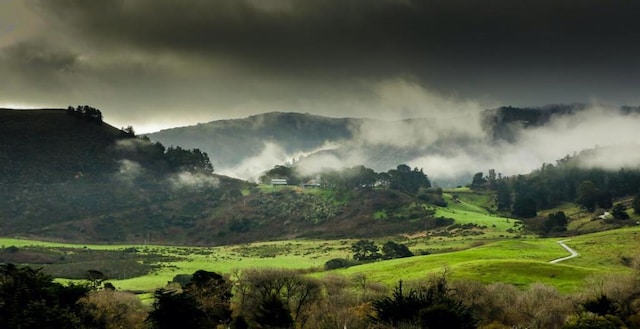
[30, 299]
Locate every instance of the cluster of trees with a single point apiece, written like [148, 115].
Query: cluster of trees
[86, 112]
[551, 185]
[193, 161]
[403, 178]
[161, 159]
[367, 251]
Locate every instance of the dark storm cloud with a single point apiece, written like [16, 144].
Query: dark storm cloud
[34, 64]
[335, 57]
[338, 34]
[513, 52]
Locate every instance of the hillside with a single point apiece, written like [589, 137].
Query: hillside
[231, 142]
[71, 179]
[48, 146]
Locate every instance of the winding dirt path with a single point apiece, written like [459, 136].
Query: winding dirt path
[567, 248]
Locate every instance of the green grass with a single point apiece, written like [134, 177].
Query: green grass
[464, 212]
[517, 262]
[496, 256]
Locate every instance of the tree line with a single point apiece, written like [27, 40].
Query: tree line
[86, 112]
[551, 185]
[278, 298]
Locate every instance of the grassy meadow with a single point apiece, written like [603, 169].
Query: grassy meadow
[482, 246]
[518, 261]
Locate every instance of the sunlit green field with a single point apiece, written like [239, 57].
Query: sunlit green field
[516, 261]
[495, 250]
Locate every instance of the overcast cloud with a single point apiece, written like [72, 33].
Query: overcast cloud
[162, 63]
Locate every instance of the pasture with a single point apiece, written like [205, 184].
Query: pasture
[518, 261]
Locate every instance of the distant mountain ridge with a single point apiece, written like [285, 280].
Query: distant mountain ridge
[233, 143]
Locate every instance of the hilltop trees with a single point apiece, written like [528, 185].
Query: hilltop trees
[86, 112]
[404, 179]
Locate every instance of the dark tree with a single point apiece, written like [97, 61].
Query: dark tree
[95, 278]
[193, 161]
[30, 299]
[391, 250]
[175, 310]
[556, 222]
[365, 250]
[213, 294]
[524, 207]
[336, 263]
[503, 195]
[619, 211]
[431, 307]
[601, 306]
[272, 313]
[588, 195]
[635, 204]
[203, 303]
[478, 181]
[404, 179]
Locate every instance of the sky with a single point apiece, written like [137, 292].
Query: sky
[155, 64]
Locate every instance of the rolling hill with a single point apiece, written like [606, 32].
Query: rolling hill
[244, 148]
[71, 179]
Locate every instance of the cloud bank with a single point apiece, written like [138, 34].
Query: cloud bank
[162, 63]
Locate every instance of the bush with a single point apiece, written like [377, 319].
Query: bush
[619, 211]
[338, 263]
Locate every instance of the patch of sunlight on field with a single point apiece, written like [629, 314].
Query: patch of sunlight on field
[464, 214]
[519, 261]
[613, 250]
[523, 273]
[512, 261]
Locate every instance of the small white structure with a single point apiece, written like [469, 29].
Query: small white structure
[278, 181]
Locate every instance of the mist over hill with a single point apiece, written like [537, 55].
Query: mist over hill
[450, 148]
[65, 176]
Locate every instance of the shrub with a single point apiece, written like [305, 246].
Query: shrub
[338, 263]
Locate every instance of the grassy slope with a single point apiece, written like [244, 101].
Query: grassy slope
[495, 256]
[515, 261]
[518, 262]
